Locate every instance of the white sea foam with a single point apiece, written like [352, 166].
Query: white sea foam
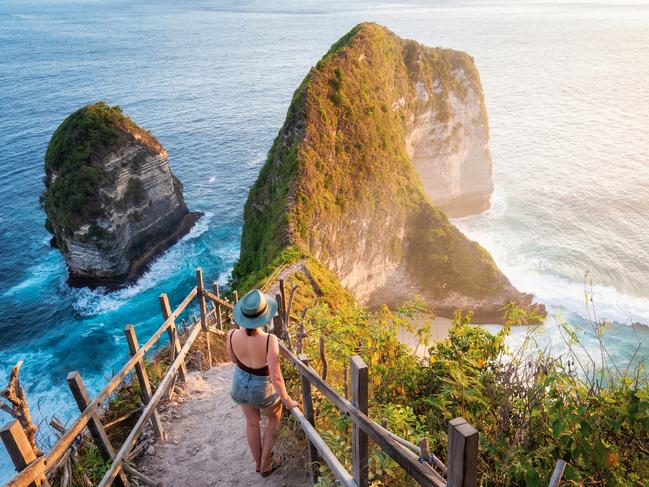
[609, 303]
[89, 302]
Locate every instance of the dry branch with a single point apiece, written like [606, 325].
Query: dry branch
[323, 358]
[18, 407]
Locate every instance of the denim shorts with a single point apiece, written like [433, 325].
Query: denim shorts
[254, 390]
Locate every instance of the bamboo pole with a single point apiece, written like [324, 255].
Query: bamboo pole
[325, 452]
[555, 480]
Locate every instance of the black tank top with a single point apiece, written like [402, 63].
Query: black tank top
[261, 371]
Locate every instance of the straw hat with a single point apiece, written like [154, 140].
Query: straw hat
[254, 309]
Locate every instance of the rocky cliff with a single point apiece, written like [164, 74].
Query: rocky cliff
[446, 128]
[380, 132]
[111, 200]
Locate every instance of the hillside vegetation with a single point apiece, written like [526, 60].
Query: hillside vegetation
[530, 408]
[338, 166]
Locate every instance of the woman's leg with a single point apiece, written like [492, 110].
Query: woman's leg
[274, 414]
[253, 433]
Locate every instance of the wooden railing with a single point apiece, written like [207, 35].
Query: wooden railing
[33, 471]
[463, 438]
[417, 462]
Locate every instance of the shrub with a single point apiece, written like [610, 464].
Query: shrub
[531, 408]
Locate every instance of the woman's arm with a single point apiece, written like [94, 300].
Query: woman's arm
[276, 374]
[233, 359]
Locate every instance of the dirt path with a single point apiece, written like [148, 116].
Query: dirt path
[206, 444]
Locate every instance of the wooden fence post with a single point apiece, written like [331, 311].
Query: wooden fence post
[203, 308]
[282, 293]
[97, 431]
[143, 378]
[219, 317]
[235, 296]
[20, 450]
[309, 414]
[359, 437]
[277, 327]
[462, 462]
[175, 344]
[280, 314]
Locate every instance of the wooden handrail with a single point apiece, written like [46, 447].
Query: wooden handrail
[273, 275]
[41, 465]
[423, 474]
[129, 443]
[218, 300]
[555, 480]
[325, 452]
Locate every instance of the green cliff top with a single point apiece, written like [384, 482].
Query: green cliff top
[73, 173]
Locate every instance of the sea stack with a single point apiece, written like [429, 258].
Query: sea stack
[111, 200]
[381, 138]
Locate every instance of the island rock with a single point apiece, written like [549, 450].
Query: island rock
[380, 137]
[111, 200]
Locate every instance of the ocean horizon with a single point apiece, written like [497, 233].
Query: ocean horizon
[568, 105]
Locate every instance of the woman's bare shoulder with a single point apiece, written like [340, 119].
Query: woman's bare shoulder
[273, 338]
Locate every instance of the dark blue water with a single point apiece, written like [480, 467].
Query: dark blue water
[565, 87]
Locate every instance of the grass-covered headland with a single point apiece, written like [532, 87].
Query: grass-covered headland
[340, 159]
[338, 174]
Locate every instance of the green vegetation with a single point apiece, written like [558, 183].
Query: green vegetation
[341, 157]
[135, 193]
[74, 174]
[531, 408]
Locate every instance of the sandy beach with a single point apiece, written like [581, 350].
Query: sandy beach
[438, 328]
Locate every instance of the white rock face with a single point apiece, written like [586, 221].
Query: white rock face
[452, 156]
[146, 214]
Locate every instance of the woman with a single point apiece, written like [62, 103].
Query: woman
[257, 384]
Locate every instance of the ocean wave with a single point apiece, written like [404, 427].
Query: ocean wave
[608, 302]
[38, 276]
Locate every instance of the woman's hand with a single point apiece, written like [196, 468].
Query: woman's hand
[290, 404]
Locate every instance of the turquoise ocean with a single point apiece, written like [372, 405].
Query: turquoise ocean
[566, 86]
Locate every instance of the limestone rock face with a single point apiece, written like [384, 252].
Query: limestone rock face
[451, 155]
[381, 136]
[111, 200]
